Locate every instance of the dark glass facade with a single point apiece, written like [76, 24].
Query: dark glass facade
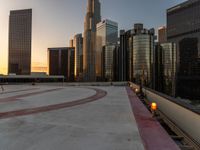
[165, 68]
[158, 69]
[20, 35]
[188, 56]
[123, 56]
[169, 67]
[61, 61]
[71, 66]
[116, 63]
[183, 28]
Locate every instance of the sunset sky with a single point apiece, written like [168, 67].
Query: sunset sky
[56, 21]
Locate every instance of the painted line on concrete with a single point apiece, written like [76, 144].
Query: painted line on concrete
[154, 137]
[16, 91]
[17, 97]
[99, 94]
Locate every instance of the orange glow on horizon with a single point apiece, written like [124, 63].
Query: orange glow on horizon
[36, 67]
[39, 69]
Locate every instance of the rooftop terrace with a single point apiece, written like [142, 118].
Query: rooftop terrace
[47, 117]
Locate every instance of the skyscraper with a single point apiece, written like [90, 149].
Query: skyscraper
[106, 34]
[116, 63]
[165, 60]
[142, 55]
[169, 67]
[183, 28]
[61, 62]
[108, 62]
[135, 55]
[92, 17]
[123, 54]
[20, 34]
[78, 45]
[158, 68]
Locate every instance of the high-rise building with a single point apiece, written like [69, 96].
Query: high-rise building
[158, 68]
[71, 65]
[183, 28]
[61, 62]
[106, 34]
[169, 67]
[78, 45]
[123, 52]
[116, 63]
[20, 35]
[162, 34]
[108, 62]
[164, 72]
[93, 17]
[135, 55]
[142, 55]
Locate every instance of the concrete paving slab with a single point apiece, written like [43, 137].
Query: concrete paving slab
[105, 124]
[60, 95]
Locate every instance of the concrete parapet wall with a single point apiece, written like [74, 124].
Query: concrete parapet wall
[97, 84]
[185, 117]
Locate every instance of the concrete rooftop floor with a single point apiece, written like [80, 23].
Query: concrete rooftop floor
[67, 118]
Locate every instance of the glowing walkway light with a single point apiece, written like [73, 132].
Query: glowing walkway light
[154, 106]
[137, 90]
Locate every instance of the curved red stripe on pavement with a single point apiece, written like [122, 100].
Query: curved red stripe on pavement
[99, 94]
[154, 137]
[19, 91]
[17, 97]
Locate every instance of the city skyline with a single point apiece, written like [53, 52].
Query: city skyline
[100, 74]
[62, 31]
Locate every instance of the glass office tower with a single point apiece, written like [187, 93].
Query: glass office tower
[142, 55]
[20, 35]
[169, 67]
[107, 33]
[183, 28]
[108, 62]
